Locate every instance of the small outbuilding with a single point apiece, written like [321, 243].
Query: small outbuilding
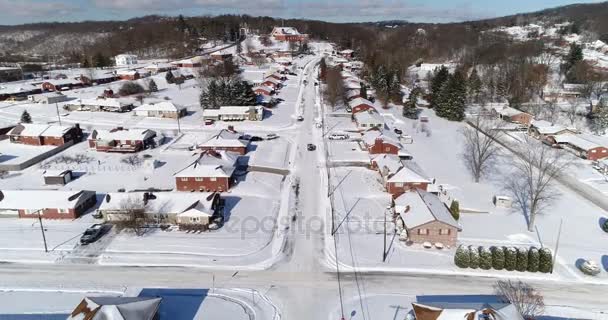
[57, 177]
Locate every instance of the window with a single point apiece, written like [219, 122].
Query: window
[387, 149]
[63, 210]
[604, 151]
[213, 179]
[198, 179]
[398, 184]
[423, 231]
[593, 151]
[32, 211]
[184, 179]
[444, 232]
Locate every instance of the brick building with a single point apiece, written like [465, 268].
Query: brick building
[380, 141]
[290, 34]
[50, 204]
[405, 179]
[44, 134]
[264, 90]
[226, 140]
[426, 218]
[359, 104]
[121, 140]
[211, 171]
[164, 109]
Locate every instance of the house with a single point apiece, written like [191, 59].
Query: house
[509, 114]
[381, 141]
[125, 60]
[290, 34]
[128, 74]
[426, 218]
[540, 129]
[156, 68]
[263, 90]
[277, 76]
[234, 113]
[58, 177]
[271, 82]
[465, 311]
[8, 74]
[48, 97]
[60, 84]
[117, 308]
[353, 94]
[121, 140]
[584, 146]
[386, 164]
[99, 104]
[194, 62]
[164, 109]
[181, 208]
[368, 120]
[359, 104]
[409, 177]
[97, 77]
[221, 55]
[50, 204]
[352, 84]
[226, 140]
[44, 134]
[211, 171]
[347, 54]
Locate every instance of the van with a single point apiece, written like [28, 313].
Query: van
[338, 136]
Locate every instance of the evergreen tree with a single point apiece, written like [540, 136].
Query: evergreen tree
[510, 259]
[600, 117]
[462, 257]
[169, 77]
[533, 259]
[545, 263]
[522, 260]
[227, 92]
[85, 62]
[437, 82]
[387, 84]
[363, 91]
[152, 86]
[410, 109]
[182, 26]
[452, 98]
[455, 209]
[25, 117]
[485, 258]
[323, 70]
[473, 257]
[100, 61]
[574, 55]
[474, 86]
[498, 258]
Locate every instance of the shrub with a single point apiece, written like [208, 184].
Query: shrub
[152, 86]
[130, 88]
[169, 77]
[522, 260]
[462, 257]
[474, 258]
[605, 226]
[25, 117]
[510, 258]
[485, 258]
[498, 258]
[455, 209]
[545, 260]
[533, 259]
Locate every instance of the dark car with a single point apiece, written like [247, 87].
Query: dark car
[256, 138]
[398, 131]
[94, 232]
[311, 147]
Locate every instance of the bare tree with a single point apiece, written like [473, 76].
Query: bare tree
[571, 110]
[133, 215]
[535, 168]
[480, 145]
[132, 160]
[551, 111]
[528, 301]
[334, 87]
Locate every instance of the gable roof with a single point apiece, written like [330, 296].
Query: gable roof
[408, 175]
[391, 162]
[122, 134]
[546, 128]
[285, 31]
[162, 202]
[357, 101]
[210, 164]
[39, 130]
[369, 137]
[166, 106]
[43, 199]
[368, 117]
[577, 140]
[425, 207]
[225, 138]
[116, 308]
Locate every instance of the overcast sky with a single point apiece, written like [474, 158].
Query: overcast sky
[26, 11]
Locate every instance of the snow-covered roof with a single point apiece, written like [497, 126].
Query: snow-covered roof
[408, 175]
[368, 118]
[285, 31]
[48, 94]
[116, 308]
[353, 93]
[43, 199]
[165, 106]
[122, 134]
[125, 55]
[389, 162]
[369, 137]
[160, 202]
[507, 111]
[583, 142]
[231, 110]
[347, 51]
[39, 130]
[210, 164]
[262, 87]
[55, 173]
[357, 101]
[425, 207]
[156, 66]
[126, 72]
[225, 138]
[546, 128]
[101, 102]
[272, 80]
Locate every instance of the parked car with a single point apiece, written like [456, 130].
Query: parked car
[94, 233]
[398, 131]
[209, 122]
[338, 136]
[256, 138]
[271, 136]
[590, 267]
[300, 118]
[311, 147]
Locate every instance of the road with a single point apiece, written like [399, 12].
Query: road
[300, 285]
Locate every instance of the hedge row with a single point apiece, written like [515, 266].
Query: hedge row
[507, 258]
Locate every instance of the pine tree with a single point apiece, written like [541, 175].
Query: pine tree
[25, 117]
[498, 258]
[239, 47]
[545, 264]
[169, 77]
[474, 86]
[451, 101]
[152, 86]
[85, 62]
[410, 109]
[600, 117]
[363, 91]
[510, 259]
[462, 257]
[474, 257]
[533, 259]
[485, 258]
[522, 260]
[574, 55]
[437, 83]
[455, 209]
[323, 69]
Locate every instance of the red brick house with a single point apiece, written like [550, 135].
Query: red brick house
[263, 90]
[44, 134]
[381, 141]
[225, 140]
[359, 105]
[584, 146]
[404, 180]
[60, 84]
[121, 140]
[221, 55]
[50, 204]
[353, 94]
[128, 75]
[426, 218]
[211, 171]
[271, 82]
[290, 34]
[509, 114]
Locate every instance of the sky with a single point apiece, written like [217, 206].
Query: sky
[28, 11]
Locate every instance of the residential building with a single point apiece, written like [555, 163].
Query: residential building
[263, 90]
[44, 134]
[347, 54]
[540, 129]
[61, 84]
[509, 114]
[49, 204]
[290, 34]
[57, 177]
[121, 140]
[164, 109]
[100, 104]
[156, 68]
[182, 208]
[125, 60]
[584, 146]
[368, 120]
[426, 218]
[353, 94]
[194, 62]
[48, 97]
[128, 74]
[221, 55]
[226, 140]
[211, 171]
[359, 104]
[271, 82]
[117, 308]
[468, 309]
[380, 141]
[407, 178]
[8, 74]
[235, 113]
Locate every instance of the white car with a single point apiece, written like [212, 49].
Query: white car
[338, 136]
[271, 136]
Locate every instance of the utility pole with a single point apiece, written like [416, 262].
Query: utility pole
[58, 116]
[559, 234]
[42, 230]
[384, 251]
[179, 128]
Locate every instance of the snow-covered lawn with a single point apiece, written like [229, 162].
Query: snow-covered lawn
[347, 151]
[15, 153]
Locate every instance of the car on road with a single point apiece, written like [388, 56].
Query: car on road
[311, 147]
[271, 136]
[398, 131]
[300, 118]
[256, 138]
[338, 136]
[94, 233]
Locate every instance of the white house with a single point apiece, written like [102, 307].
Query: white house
[164, 109]
[368, 119]
[235, 113]
[125, 60]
